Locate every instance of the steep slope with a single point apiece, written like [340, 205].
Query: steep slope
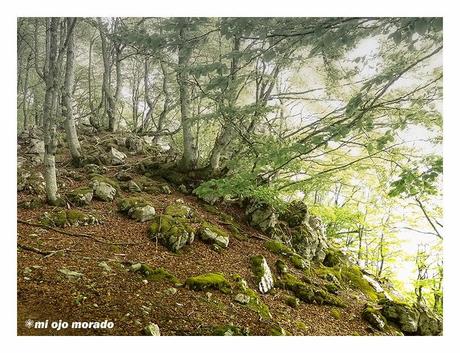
[96, 262]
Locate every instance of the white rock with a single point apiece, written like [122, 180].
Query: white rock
[104, 191]
[142, 214]
[117, 156]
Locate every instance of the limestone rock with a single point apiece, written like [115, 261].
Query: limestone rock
[103, 191]
[135, 144]
[173, 232]
[296, 214]
[142, 214]
[404, 315]
[133, 187]
[81, 196]
[242, 298]
[213, 235]
[116, 156]
[262, 272]
[374, 317]
[92, 168]
[429, 323]
[123, 175]
[152, 330]
[262, 216]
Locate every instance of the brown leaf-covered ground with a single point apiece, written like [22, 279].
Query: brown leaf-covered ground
[126, 299]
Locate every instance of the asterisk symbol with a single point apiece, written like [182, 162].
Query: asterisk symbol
[29, 323]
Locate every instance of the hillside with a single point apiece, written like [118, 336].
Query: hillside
[93, 260]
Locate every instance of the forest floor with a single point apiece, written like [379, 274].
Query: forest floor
[131, 302]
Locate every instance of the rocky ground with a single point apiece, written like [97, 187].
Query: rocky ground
[135, 262]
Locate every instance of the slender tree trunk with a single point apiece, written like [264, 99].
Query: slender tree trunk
[49, 118]
[226, 135]
[190, 157]
[25, 89]
[69, 122]
[166, 102]
[106, 86]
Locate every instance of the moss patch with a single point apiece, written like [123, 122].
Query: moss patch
[336, 314]
[107, 180]
[77, 196]
[298, 262]
[279, 248]
[351, 277]
[308, 293]
[208, 281]
[256, 304]
[64, 218]
[155, 274]
[125, 204]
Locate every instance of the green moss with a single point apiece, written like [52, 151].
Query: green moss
[125, 204]
[256, 266]
[75, 196]
[336, 314]
[331, 288]
[308, 293]
[293, 302]
[178, 210]
[169, 225]
[208, 281]
[75, 216]
[256, 304]
[351, 277]
[278, 331]
[298, 262]
[279, 248]
[301, 325]
[107, 180]
[157, 274]
[281, 267]
[215, 229]
[64, 218]
[334, 257]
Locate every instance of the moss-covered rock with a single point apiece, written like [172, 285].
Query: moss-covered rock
[293, 302]
[403, 314]
[102, 178]
[373, 315]
[81, 196]
[298, 262]
[262, 272]
[155, 274]
[214, 235]
[349, 276]
[279, 248]
[335, 257]
[65, 218]
[278, 331]
[127, 203]
[178, 209]
[308, 293]
[281, 267]
[295, 214]
[209, 281]
[173, 232]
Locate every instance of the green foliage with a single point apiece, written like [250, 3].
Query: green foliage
[419, 180]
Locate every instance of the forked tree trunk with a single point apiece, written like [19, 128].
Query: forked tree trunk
[69, 122]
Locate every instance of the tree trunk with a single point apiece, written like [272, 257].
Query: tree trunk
[166, 103]
[190, 157]
[106, 86]
[49, 118]
[69, 122]
[226, 135]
